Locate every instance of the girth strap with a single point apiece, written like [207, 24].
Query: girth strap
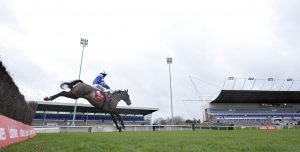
[106, 99]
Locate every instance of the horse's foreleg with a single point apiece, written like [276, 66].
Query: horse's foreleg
[120, 119]
[115, 121]
[63, 93]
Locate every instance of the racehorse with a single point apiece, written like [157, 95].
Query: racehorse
[81, 90]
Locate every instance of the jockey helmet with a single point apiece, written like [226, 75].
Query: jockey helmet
[103, 73]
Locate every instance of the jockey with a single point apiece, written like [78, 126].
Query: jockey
[99, 82]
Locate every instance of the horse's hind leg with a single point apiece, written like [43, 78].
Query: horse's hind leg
[63, 93]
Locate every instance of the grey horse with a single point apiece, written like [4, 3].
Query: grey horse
[109, 103]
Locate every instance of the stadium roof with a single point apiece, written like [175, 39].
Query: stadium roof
[69, 107]
[257, 96]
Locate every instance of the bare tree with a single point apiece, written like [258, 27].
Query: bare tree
[178, 120]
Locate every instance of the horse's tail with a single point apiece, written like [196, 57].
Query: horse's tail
[70, 84]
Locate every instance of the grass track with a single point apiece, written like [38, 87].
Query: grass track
[187, 141]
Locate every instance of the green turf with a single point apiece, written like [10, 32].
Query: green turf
[197, 141]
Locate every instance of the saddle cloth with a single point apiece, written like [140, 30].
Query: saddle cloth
[99, 96]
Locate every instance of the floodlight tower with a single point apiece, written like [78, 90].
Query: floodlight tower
[84, 43]
[169, 62]
[252, 78]
[292, 80]
[229, 78]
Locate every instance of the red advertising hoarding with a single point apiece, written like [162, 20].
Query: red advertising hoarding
[266, 128]
[12, 131]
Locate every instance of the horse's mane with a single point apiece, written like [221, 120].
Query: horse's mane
[118, 91]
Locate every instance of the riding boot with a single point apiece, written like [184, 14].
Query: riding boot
[107, 95]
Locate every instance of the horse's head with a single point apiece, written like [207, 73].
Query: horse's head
[122, 95]
[126, 97]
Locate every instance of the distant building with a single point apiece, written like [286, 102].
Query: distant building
[255, 107]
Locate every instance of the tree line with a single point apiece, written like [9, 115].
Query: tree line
[177, 120]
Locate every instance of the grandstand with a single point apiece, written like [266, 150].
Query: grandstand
[255, 107]
[61, 114]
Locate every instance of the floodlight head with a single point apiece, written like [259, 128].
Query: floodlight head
[84, 42]
[169, 60]
[230, 78]
[270, 79]
[251, 78]
[289, 79]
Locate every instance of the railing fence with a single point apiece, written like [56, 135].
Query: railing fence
[136, 128]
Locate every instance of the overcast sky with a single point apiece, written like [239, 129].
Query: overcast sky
[130, 40]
